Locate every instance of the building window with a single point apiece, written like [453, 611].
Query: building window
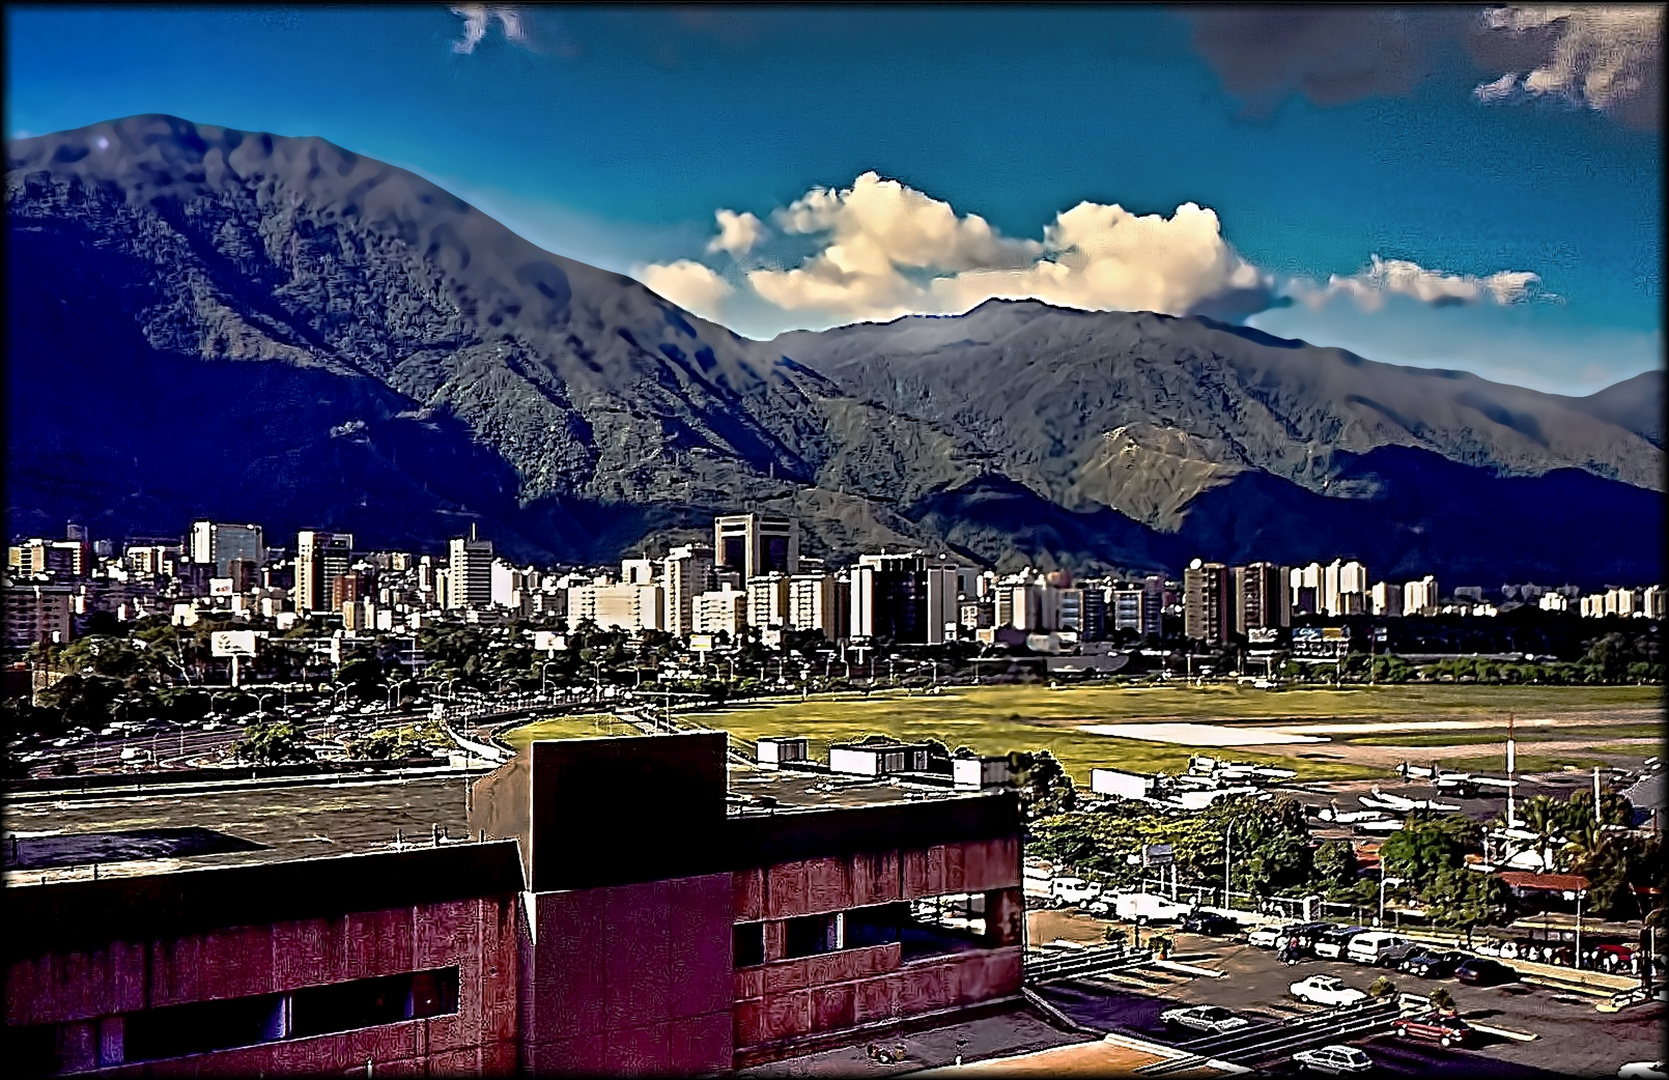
[927, 927]
[810, 935]
[748, 944]
[202, 1026]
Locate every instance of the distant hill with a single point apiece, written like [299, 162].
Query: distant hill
[210, 322]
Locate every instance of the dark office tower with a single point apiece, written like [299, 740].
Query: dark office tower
[1207, 602]
[321, 557]
[1261, 597]
[756, 544]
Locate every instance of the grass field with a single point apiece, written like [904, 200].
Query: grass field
[585, 726]
[998, 719]
[1497, 736]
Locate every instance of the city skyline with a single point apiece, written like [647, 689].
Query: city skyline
[1465, 188]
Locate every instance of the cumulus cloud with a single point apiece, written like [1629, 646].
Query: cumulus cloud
[690, 285]
[478, 17]
[1603, 57]
[738, 233]
[1383, 278]
[889, 250]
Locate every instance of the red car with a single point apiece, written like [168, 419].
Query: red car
[1446, 1030]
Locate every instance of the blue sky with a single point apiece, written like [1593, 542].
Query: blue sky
[1505, 171]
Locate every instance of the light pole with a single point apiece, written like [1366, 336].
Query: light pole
[1228, 835]
[261, 703]
[1384, 881]
[1580, 893]
[394, 693]
[544, 673]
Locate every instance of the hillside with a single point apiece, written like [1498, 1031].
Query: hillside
[210, 322]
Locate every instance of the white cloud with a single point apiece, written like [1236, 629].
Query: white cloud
[1383, 278]
[690, 285]
[890, 250]
[1602, 56]
[478, 17]
[738, 233]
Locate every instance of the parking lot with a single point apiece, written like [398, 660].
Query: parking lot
[1571, 1038]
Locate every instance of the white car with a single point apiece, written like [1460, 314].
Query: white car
[1642, 1070]
[1211, 1019]
[1267, 937]
[1338, 1060]
[1325, 990]
[1072, 890]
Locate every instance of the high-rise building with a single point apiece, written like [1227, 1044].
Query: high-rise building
[1420, 597]
[904, 598]
[1261, 598]
[686, 573]
[1344, 587]
[321, 557]
[768, 600]
[1651, 602]
[346, 589]
[1385, 599]
[217, 543]
[1125, 609]
[1083, 611]
[724, 609]
[756, 544]
[470, 560]
[814, 604]
[1305, 586]
[1207, 602]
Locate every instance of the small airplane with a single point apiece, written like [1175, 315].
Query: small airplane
[1331, 812]
[1381, 801]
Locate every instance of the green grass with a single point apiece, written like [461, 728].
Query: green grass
[1524, 763]
[587, 726]
[1498, 736]
[1637, 749]
[989, 721]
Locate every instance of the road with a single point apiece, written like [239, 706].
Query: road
[1573, 1039]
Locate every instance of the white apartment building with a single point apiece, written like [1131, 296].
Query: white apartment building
[814, 603]
[768, 601]
[1552, 601]
[1344, 587]
[721, 609]
[1385, 599]
[617, 605]
[1420, 597]
[686, 572]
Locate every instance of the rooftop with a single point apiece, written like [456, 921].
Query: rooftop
[796, 790]
[156, 831]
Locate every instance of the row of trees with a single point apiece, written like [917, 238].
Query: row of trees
[1270, 853]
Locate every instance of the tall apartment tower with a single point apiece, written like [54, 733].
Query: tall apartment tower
[470, 560]
[218, 543]
[1262, 600]
[756, 544]
[1207, 602]
[1420, 597]
[321, 557]
[686, 572]
[904, 598]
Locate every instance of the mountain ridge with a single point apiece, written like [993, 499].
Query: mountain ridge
[457, 372]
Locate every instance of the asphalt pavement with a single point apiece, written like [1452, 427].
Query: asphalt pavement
[1572, 1038]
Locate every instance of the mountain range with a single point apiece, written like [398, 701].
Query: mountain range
[208, 322]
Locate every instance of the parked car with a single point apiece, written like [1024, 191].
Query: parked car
[1211, 1019]
[1308, 933]
[1064, 891]
[1445, 1030]
[1100, 907]
[1338, 1060]
[1484, 972]
[1332, 944]
[1325, 990]
[1432, 964]
[1205, 922]
[1642, 1070]
[1379, 948]
[1268, 937]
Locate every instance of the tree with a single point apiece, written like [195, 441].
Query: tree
[1045, 787]
[272, 743]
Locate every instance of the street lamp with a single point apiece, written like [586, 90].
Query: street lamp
[544, 673]
[1228, 897]
[394, 693]
[1384, 881]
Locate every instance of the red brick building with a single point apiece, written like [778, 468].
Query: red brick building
[625, 906]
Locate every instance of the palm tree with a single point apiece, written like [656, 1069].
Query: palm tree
[1541, 816]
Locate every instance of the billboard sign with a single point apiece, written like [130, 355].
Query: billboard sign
[1157, 855]
[232, 643]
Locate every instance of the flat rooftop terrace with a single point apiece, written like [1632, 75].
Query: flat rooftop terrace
[794, 789]
[157, 831]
